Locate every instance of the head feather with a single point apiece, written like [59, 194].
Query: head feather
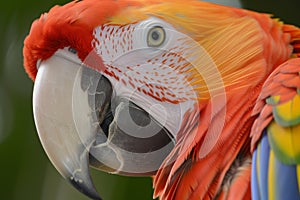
[241, 43]
[69, 25]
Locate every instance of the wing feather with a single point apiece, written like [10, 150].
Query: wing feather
[276, 136]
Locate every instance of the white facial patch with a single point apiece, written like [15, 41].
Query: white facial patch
[152, 76]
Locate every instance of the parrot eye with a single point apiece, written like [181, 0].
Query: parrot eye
[156, 36]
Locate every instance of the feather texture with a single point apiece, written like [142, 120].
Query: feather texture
[70, 25]
[193, 177]
[249, 56]
[211, 158]
[282, 135]
[274, 180]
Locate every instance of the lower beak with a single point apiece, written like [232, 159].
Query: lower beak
[55, 91]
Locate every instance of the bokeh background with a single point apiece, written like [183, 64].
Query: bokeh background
[25, 171]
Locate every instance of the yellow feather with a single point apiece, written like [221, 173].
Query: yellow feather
[258, 163]
[288, 113]
[271, 176]
[284, 142]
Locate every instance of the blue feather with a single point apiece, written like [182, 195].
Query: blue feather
[264, 166]
[286, 174]
[254, 181]
[282, 174]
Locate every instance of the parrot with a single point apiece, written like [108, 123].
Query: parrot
[203, 98]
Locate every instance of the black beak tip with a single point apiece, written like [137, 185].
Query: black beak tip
[90, 192]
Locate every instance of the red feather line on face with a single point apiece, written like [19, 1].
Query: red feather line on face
[69, 25]
[164, 76]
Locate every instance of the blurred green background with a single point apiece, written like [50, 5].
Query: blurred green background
[25, 171]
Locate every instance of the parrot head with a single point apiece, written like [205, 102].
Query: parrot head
[118, 83]
[107, 94]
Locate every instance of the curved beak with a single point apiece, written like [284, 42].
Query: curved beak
[61, 136]
[81, 122]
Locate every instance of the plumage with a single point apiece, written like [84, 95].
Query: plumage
[263, 152]
[288, 114]
[282, 133]
[272, 180]
[255, 191]
[239, 68]
[298, 176]
[284, 142]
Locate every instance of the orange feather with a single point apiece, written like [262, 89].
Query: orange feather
[282, 83]
[246, 47]
[192, 177]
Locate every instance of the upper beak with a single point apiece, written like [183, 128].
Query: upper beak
[62, 137]
[80, 123]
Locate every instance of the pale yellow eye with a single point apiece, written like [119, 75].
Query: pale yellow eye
[156, 36]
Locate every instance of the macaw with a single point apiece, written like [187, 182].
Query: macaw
[204, 98]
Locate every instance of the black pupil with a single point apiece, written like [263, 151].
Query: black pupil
[155, 35]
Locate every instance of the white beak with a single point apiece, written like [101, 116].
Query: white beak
[82, 122]
[61, 129]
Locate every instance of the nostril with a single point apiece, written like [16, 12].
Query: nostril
[72, 50]
[139, 116]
